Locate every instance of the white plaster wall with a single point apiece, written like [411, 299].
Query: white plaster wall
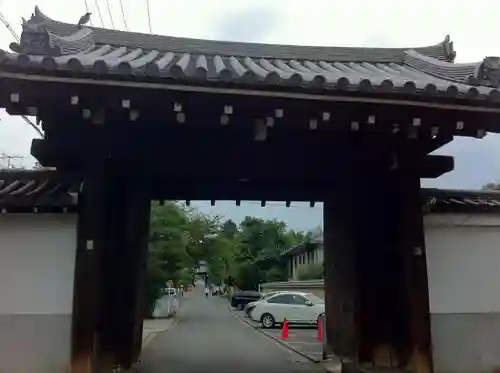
[37, 258]
[317, 257]
[463, 264]
[318, 254]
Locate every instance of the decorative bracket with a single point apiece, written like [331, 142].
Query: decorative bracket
[43, 36]
[487, 73]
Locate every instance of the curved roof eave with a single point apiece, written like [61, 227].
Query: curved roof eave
[441, 51]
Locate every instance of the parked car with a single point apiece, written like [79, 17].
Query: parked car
[170, 291]
[241, 298]
[295, 307]
[250, 306]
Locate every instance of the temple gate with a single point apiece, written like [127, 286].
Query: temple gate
[137, 117]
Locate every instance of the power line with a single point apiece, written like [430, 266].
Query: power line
[149, 17]
[99, 12]
[6, 161]
[123, 15]
[16, 37]
[33, 125]
[110, 15]
[6, 24]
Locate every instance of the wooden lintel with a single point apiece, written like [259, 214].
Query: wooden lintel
[169, 189]
[433, 166]
[436, 143]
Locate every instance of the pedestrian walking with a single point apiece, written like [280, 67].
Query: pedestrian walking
[206, 292]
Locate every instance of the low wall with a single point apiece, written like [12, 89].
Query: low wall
[37, 256]
[317, 287]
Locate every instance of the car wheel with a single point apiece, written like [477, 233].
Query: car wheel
[239, 307]
[267, 321]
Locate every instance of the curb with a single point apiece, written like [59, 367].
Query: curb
[287, 345]
[149, 338]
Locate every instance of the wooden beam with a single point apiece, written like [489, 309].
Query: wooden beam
[436, 143]
[202, 190]
[432, 166]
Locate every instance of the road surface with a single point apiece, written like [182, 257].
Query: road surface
[209, 339]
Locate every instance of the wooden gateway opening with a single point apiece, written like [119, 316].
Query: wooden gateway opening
[137, 117]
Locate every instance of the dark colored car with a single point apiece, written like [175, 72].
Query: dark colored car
[241, 298]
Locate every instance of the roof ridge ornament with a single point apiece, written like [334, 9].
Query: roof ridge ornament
[448, 49]
[38, 38]
[487, 73]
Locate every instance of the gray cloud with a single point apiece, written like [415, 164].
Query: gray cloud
[249, 24]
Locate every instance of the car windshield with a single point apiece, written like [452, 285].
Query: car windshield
[316, 300]
[266, 296]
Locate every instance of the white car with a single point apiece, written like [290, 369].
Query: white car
[250, 306]
[170, 291]
[295, 307]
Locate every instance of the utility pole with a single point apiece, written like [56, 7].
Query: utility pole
[9, 162]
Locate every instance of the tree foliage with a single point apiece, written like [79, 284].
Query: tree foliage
[491, 186]
[181, 237]
[313, 271]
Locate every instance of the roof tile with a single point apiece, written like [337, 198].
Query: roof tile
[410, 70]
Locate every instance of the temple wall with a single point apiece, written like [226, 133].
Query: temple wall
[463, 259]
[37, 255]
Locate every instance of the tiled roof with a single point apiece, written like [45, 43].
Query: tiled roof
[438, 201]
[315, 240]
[36, 191]
[466, 201]
[51, 45]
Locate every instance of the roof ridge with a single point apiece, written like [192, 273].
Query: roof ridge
[483, 73]
[39, 21]
[430, 192]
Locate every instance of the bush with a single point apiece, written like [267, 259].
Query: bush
[310, 272]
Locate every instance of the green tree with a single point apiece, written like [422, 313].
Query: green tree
[310, 272]
[181, 237]
[491, 186]
[168, 256]
[258, 258]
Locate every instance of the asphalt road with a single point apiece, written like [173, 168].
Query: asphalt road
[209, 339]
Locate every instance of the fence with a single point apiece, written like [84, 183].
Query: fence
[166, 306]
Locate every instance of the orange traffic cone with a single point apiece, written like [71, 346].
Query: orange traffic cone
[319, 335]
[284, 330]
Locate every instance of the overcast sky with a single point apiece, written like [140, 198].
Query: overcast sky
[382, 23]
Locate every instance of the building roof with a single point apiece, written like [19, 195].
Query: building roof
[461, 201]
[434, 201]
[315, 240]
[46, 191]
[51, 46]
[36, 192]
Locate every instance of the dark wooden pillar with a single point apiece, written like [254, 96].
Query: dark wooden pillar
[340, 274]
[92, 209]
[411, 241]
[110, 265]
[130, 269]
[382, 314]
[375, 272]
